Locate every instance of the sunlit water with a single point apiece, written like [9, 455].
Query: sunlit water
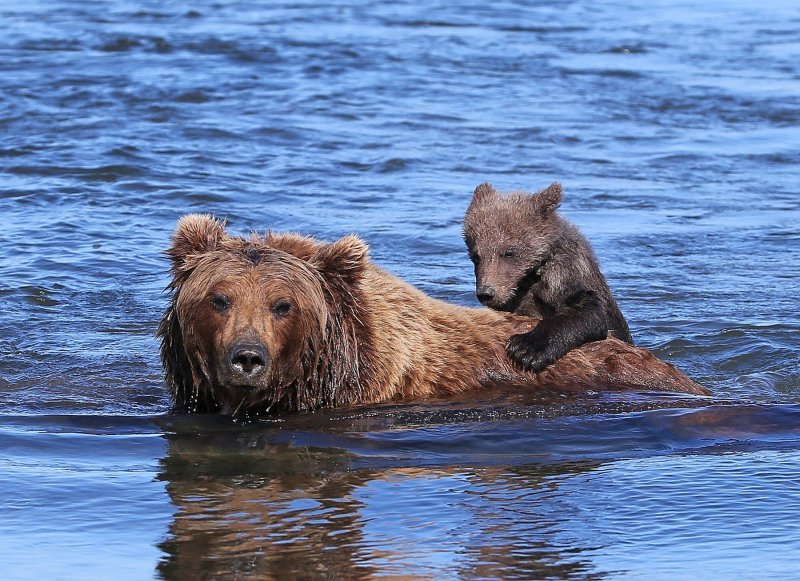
[675, 129]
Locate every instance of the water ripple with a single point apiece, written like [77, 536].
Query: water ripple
[677, 145]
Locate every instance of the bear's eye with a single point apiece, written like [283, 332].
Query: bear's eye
[220, 302]
[281, 308]
[510, 253]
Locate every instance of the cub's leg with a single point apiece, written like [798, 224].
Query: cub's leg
[579, 319]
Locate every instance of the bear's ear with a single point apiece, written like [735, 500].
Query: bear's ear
[347, 258]
[483, 192]
[548, 200]
[195, 234]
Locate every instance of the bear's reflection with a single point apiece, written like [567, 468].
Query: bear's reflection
[247, 506]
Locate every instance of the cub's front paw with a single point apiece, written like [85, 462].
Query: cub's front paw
[527, 352]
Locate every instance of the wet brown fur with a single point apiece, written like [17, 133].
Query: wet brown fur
[355, 333]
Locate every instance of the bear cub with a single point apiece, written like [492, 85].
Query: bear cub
[531, 261]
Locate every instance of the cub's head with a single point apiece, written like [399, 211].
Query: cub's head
[508, 238]
[247, 325]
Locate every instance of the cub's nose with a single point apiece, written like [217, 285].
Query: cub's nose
[248, 359]
[486, 293]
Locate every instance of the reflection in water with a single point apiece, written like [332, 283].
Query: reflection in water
[238, 514]
[276, 510]
[356, 494]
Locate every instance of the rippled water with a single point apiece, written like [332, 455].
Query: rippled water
[675, 129]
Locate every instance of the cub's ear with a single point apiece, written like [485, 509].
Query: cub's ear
[548, 200]
[483, 192]
[195, 234]
[347, 258]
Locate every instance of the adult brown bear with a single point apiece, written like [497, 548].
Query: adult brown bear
[284, 322]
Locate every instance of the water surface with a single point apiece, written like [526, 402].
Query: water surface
[675, 130]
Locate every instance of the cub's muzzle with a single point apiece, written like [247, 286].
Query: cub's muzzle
[486, 294]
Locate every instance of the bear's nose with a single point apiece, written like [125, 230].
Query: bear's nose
[248, 359]
[486, 293]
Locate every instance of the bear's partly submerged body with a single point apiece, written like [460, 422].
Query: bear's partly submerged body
[284, 322]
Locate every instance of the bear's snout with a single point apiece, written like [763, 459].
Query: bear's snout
[486, 294]
[248, 360]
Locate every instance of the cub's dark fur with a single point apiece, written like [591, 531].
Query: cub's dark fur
[531, 261]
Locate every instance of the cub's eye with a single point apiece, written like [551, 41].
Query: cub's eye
[510, 253]
[220, 302]
[281, 308]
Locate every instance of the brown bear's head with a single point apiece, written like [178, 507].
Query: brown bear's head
[252, 320]
[509, 237]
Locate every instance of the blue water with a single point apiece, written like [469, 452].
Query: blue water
[675, 130]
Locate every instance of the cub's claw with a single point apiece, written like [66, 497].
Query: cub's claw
[527, 352]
